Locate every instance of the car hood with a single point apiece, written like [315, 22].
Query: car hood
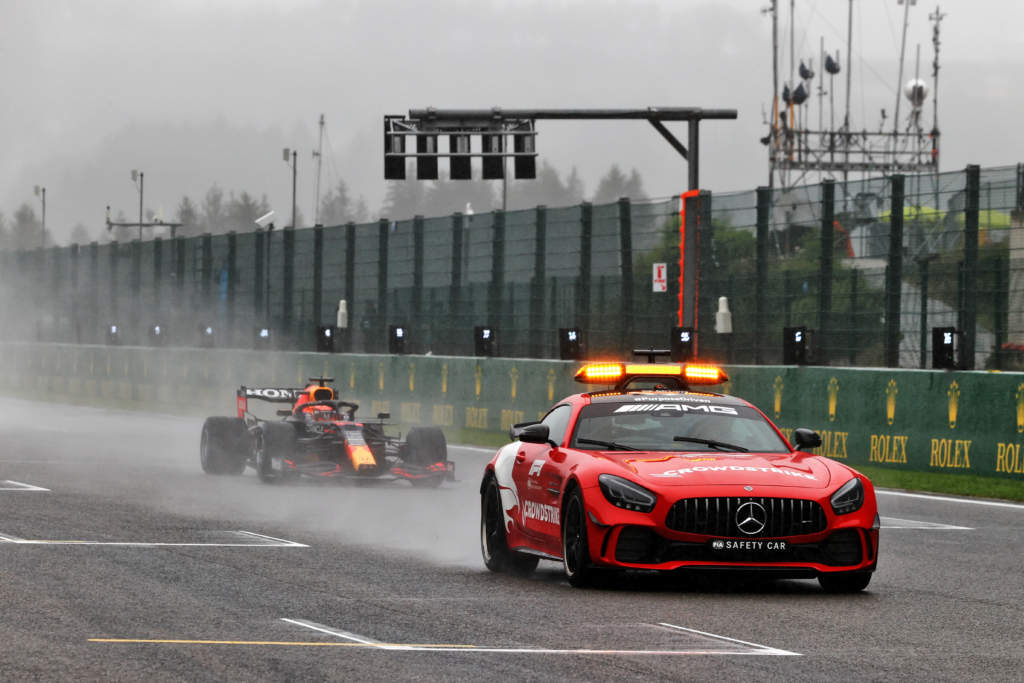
[799, 470]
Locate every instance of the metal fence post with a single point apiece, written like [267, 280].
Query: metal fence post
[853, 336]
[764, 211]
[382, 282]
[318, 280]
[583, 280]
[157, 276]
[540, 236]
[232, 287]
[970, 296]
[625, 315]
[113, 282]
[94, 290]
[999, 312]
[136, 289]
[824, 342]
[179, 283]
[259, 285]
[288, 285]
[455, 286]
[350, 281]
[497, 286]
[923, 363]
[787, 301]
[422, 334]
[894, 273]
[74, 299]
[56, 275]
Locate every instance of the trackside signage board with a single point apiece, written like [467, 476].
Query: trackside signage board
[935, 421]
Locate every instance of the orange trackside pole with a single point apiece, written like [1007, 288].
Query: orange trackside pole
[682, 252]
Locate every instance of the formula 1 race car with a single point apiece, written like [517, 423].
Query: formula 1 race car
[319, 437]
[649, 473]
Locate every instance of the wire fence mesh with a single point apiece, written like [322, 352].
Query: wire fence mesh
[869, 274]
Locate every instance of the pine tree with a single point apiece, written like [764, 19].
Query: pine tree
[188, 216]
[80, 234]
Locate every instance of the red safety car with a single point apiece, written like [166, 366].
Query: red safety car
[653, 472]
[319, 437]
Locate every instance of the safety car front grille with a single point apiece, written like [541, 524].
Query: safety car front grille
[718, 517]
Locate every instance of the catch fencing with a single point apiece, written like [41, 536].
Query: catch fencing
[870, 265]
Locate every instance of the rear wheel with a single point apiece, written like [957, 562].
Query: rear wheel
[844, 582]
[275, 441]
[575, 547]
[493, 543]
[427, 446]
[223, 445]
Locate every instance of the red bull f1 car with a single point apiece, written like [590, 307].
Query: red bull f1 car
[319, 437]
[654, 473]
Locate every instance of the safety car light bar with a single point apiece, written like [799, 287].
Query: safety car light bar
[618, 373]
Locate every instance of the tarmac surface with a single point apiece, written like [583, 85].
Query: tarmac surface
[121, 560]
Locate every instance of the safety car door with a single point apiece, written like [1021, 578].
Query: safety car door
[538, 476]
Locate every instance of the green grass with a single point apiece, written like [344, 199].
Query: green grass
[958, 484]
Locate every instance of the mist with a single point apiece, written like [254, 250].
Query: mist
[196, 93]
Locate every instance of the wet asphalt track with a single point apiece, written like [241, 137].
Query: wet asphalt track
[380, 566]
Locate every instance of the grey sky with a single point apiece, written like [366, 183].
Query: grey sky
[195, 92]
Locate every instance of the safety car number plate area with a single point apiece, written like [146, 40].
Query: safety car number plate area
[731, 545]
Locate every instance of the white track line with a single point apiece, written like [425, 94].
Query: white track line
[333, 631]
[753, 648]
[944, 499]
[897, 523]
[764, 649]
[10, 485]
[276, 543]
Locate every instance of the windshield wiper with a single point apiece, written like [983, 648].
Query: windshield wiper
[720, 445]
[607, 444]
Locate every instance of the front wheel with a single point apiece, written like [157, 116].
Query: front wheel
[844, 582]
[274, 441]
[575, 546]
[498, 557]
[427, 446]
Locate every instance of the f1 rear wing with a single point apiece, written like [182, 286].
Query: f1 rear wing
[269, 394]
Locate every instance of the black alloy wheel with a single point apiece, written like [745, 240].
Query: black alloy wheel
[575, 548]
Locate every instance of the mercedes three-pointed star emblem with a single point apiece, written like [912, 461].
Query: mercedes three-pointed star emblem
[751, 518]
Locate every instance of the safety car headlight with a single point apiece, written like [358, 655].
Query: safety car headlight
[625, 494]
[848, 498]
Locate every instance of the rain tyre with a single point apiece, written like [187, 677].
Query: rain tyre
[498, 557]
[575, 545]
[223, 445]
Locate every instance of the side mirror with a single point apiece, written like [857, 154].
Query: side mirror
[806, 439]
[513, 431]
[534, 433]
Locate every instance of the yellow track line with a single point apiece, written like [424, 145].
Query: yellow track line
[276, 642]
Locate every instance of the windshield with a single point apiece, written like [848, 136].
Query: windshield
[675, 424]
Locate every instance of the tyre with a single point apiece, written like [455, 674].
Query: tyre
[426, 446]
[575, 546]
[223, 445]
[844, 582]
[274, 441]
[498, 557]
